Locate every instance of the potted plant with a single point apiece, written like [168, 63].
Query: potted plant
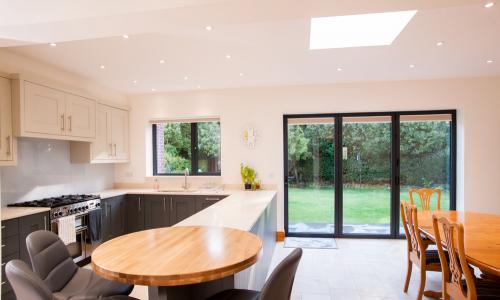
[248, 176]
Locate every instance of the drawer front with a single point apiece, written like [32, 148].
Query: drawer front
[10, 245]
[10, 227]
[211, 198]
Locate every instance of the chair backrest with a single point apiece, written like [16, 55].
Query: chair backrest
[424, 196]
[455, 267]
[26, 284]
[50, 259]
[409, 219]
[279, 284]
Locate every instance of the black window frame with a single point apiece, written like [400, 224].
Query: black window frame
[395, 169]
[194, 154]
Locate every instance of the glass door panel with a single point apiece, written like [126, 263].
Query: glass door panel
[425, 157]
[311, 169]
[366, 175]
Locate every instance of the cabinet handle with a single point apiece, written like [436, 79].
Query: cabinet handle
[171, 205]
[3, 264]
[3, 282]
[139, 203]
[164, 204]
[212, 199]
[3, 227]
[69, 123]
[45, 222]
[115, 148]
[62, 119]
[3, 246]
[8, 145]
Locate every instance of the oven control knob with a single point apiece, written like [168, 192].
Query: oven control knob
[71, 211]
[87, 207]
[55, 214]
[59, 213]
[80, 208]
[98, 204]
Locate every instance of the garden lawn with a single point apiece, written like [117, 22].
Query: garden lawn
[361, 205]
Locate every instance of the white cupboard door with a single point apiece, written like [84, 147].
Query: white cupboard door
[102, 148]
[80, 116]
[6, 143]
[119, 134]
[44, 110]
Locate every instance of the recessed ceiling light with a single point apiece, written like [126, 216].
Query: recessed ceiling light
[379, 29]
[489, 4]
[198, 87]
[186, 78]
[102, 67]
[339, 69]
[162, 61]
[241, 74]
[208, 28]
[411, 66]
[53, 44]
[228, 56]
[489, 61]
[153, 90]
[125, 36]
[135, 81]
[440, 43]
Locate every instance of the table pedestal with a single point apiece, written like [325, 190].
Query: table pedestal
[199, 291]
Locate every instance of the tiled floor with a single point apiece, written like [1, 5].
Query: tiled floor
[358, 269]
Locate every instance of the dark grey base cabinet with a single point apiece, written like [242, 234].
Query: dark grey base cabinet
[158, 208]
[183, 207]
[113, 212]
[135, 211]
[14, 233]
[203, 202]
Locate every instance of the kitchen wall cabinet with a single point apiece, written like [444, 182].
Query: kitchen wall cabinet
[112, 138]
[135, 213]
[14, 233]
[113, 217]
[8, 144]
[42, 111]
[157, 213]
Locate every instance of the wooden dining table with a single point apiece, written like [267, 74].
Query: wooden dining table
[481, 236]
[191, 262]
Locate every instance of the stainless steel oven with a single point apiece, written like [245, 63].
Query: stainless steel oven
[78, 250]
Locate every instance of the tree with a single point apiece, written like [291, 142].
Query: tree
[297, 149]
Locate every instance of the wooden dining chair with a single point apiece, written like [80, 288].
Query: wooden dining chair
[426, 260]
[458, 280]
[425, 196]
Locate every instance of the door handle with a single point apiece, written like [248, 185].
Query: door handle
[171, 205]
[69, 123]
[62, 121]
[164, 204]
[139, 203]
[45, 222]
[8, 145]
[212, 199]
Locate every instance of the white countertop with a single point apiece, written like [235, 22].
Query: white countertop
[17, 212]
[240, 210]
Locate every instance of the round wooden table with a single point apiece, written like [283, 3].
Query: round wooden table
[180, 261]
[481, 236]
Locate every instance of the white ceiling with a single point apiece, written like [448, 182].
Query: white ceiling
[268, 41]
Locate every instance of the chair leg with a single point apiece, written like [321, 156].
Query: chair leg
[422, 284]
[408, 276]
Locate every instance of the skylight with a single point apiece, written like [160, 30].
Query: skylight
[379, 29]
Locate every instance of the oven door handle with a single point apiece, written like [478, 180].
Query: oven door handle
[80, 229]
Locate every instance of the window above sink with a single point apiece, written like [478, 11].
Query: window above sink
[186, 145]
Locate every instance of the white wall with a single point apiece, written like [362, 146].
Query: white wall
[476, 99]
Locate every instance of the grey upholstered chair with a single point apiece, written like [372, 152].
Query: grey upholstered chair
[27, 285]
[53, 264]
[277, 287]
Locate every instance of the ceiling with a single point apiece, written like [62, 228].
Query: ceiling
[268, 41]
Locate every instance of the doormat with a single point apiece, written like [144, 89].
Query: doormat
[311, 243]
